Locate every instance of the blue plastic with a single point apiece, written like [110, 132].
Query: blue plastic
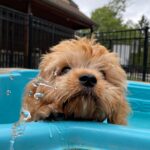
[68, 135]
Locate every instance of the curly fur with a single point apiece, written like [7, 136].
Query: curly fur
[65, 94]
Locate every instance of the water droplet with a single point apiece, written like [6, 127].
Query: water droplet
[26, 114]
[35, 85]
[8, 92]
[11, 77]
[30, 93]
[38, 96]
[43, 84]
[12, 144]
[50, 133]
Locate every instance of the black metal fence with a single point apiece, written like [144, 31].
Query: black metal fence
[133, 48]
[12, 28]
[23, 38]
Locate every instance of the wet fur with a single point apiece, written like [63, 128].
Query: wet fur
[67, 96]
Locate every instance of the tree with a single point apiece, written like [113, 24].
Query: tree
[143, 22]
[118, 6]
[108, 17]
[107, 20]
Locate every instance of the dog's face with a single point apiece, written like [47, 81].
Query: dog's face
[89, 82]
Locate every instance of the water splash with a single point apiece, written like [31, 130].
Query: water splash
[35, 85]
[50, 133]
[18, 128]
[11, 77]
[43, 84]
[58, 129]
[26, 114]
[54, 127]
[39, 81]
[30, 93]
[38, 96]
[8, 92]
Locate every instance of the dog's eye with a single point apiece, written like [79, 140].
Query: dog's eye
[103, 74]
[65, 70]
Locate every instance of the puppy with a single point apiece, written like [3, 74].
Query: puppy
[78, 79]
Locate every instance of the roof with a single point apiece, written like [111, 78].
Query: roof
[72, 12]
[63, 12]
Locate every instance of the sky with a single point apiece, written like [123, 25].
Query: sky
[135, 8]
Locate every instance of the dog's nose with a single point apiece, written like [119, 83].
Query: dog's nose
[88, 80]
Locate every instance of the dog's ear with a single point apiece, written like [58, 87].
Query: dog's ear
[45, 64]
[113, 70]
[45, 59]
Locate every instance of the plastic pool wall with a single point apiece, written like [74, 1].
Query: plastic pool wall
[67, 135]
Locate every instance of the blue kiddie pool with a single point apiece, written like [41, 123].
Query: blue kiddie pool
[71, 135]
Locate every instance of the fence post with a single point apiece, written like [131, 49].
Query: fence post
[145, 55]
[30, 42]
[0, 29]
[110, 45]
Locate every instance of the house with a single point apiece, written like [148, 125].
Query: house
[29, 27]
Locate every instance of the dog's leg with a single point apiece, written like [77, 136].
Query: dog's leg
[119, 114]
[38, 108]
[44, 111]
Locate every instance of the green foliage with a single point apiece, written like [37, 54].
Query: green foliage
[108, 17]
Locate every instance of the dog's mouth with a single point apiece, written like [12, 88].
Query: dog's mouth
[84, 94]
